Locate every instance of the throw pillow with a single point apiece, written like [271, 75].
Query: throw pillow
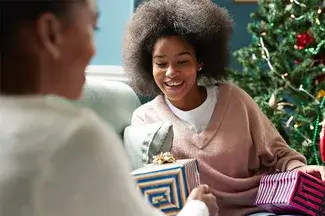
[142, 142]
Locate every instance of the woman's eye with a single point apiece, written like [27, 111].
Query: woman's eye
[182, 62]
[161, 65]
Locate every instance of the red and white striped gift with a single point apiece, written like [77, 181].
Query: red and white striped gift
[292, 192]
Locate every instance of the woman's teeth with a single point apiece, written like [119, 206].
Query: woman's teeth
[172, 84]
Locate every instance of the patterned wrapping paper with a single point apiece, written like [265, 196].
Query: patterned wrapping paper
[292, 192]
[167, 186]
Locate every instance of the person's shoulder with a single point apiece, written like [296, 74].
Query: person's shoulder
[232, 88]
[90, 132]
[84, 134]
[71, 112]
[88, 123]
[237, 98]
[149, 106]
[73, 121]
[44, 115]
[235, 92]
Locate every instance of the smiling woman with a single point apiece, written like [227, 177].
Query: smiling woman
[153, 32]
[175, 68]
[169, 45]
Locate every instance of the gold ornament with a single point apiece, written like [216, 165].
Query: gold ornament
[320, 94]
[163, 158]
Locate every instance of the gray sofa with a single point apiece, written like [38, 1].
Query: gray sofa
[113, 101]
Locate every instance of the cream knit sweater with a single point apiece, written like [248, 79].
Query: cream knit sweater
[57, 159]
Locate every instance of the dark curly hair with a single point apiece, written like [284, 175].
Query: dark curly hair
[201, 23]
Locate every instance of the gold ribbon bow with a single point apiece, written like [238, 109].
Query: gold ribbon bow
[163, 158]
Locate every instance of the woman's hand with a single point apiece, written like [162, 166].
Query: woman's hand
[317, 171]
[203, 194]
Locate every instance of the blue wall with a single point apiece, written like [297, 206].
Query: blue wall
[113, 16]
[241, 15]
[115, 13]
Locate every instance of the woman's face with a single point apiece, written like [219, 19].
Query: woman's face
[68, 46]
[79, 48]
[174, 67]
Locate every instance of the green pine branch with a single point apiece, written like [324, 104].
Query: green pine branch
[282, 73]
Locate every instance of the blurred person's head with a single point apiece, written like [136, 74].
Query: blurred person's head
[46, 46]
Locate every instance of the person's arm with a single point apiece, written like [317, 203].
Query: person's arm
[194, 208]
[90, 175]
[274, 152]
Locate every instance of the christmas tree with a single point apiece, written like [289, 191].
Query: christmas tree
[283, 69]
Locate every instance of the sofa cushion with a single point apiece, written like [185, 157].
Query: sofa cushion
[113, 101]
[142, 142]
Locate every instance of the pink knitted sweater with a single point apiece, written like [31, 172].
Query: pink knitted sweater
[238, 146]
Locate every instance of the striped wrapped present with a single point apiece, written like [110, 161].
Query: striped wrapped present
[167, 186]
[292, 192]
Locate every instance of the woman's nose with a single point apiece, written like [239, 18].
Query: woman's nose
[171, 72]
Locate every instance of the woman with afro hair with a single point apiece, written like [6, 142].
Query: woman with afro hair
[177, 51]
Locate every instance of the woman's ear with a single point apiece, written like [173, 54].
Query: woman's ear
[49, 30]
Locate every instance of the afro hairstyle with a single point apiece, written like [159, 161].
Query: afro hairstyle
[201, 23]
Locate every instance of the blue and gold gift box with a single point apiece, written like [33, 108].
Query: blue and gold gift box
[167, 186]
